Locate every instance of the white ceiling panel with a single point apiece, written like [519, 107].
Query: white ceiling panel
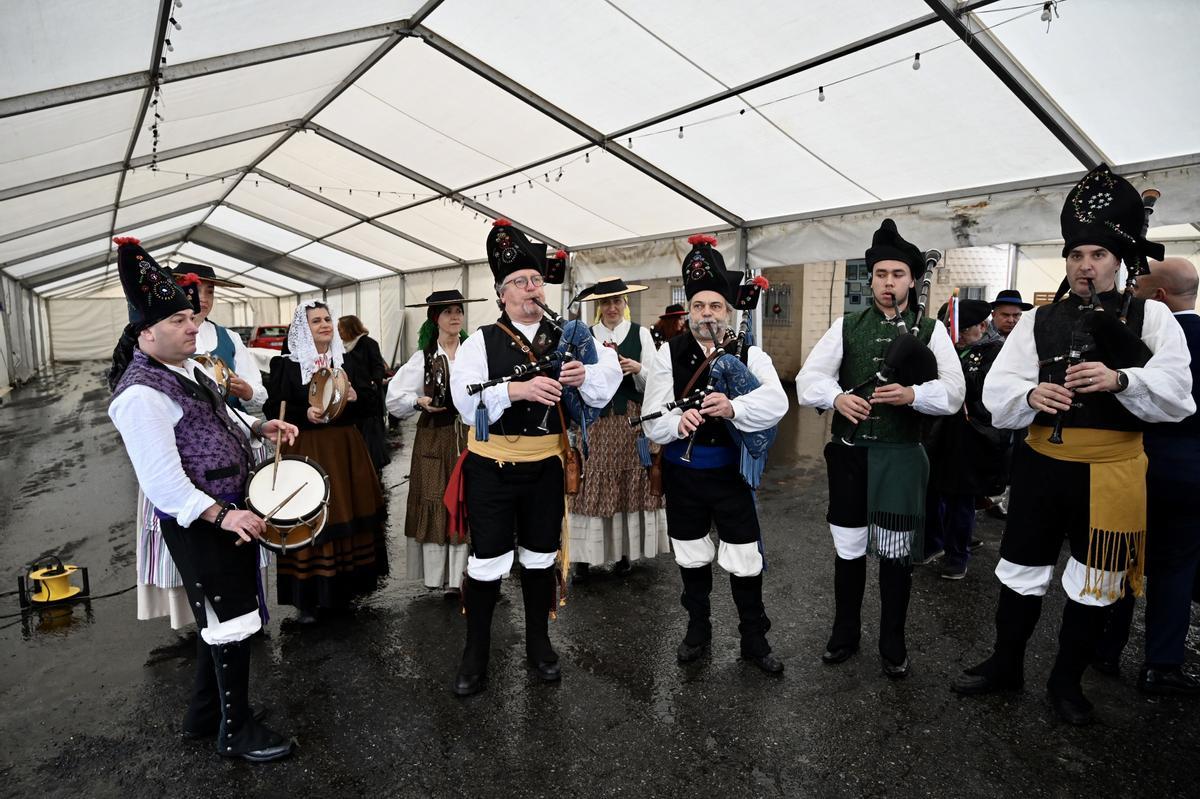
[21, 213]
[291, 209]
[450, 228]
[337, 261]
[379, 245]
[207, 193]
[252, 229]
[47, 240]
[59, 257]
[176, 171]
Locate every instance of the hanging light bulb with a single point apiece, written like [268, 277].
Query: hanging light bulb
[170, 47]
[558, 177]
[917, 61]
[587, 158]
[179, 3]
[821, 94]
[175, 22]
[1045, 12]
[681, 131]
[629, 141]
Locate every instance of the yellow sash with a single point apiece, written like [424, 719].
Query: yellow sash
[530, 449]
[1117, 501]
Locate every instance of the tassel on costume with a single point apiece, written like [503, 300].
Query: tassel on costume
[1106, 550]
[751, 468]
[481, 422]
[643, 449]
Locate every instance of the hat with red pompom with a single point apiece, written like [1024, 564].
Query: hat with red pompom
[704, 269]
[150, 290]
[509, 250]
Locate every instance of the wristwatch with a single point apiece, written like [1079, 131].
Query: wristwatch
[1122, 382]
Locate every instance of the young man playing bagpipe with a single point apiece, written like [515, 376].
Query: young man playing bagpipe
[1085, 373]
[880, 369]
[512, 473]
[700, 457]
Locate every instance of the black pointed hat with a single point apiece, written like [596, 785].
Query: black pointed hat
[888, 245]
[1105, 210]
[704, 269]
[150, 290]
[509, 250]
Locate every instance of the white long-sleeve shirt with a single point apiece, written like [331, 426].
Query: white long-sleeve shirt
[1160, 391]
[244, 364]
[817, 383]
[617, 335]
[146, 418]
[408, 384]
[599, 384]
[760, 409]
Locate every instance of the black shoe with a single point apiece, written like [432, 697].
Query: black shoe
[976, 543]
[468, 684]
[1109, 668]
[546, 671]
[841, 654]
[1167, 681]
[1076, 711]
[622, 567]
[239, 734]
[306, 618]
[928, 558]
[973, 684]
[997, 512]
[893, 671]
[768, 662]
[948, 572]
[687, 653]
[583, 573]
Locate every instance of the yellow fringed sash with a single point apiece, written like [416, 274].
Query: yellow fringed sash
[1117, 501]
[529, 449]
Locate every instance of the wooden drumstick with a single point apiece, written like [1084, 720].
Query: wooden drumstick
[278, 442]
[285, 501]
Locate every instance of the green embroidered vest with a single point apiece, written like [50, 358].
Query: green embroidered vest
[865, 338]
[627, 392]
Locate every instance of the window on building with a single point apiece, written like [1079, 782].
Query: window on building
[678, 296]
[858, 285]
[972, 292]
[777, 308]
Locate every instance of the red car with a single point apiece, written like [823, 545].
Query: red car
[271, 336]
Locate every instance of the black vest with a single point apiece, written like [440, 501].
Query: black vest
[503, 354]
[1052, 328]
[686, 357]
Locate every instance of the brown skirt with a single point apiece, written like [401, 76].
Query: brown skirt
[614, 479]
[434, 453]
[351, 551]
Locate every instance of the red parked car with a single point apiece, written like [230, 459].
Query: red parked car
[271, 336]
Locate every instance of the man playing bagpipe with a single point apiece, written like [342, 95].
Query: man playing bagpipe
[512, 472]
[701, 476]
[1079, 367]
[881, 369]
[192, 459]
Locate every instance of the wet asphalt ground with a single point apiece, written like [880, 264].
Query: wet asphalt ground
[91, 699]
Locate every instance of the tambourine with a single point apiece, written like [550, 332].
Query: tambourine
[292, 497]
[217, 369]
[328, 392]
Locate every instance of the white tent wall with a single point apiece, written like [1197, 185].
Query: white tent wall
[86, 329]
[391, 319]
[21, 355]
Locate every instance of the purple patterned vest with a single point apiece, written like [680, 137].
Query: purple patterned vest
[214, 452]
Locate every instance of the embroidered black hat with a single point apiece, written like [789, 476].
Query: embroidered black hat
[509, 250]
[888, 245]
[704, 269]
[150, 290]
[1105, 210]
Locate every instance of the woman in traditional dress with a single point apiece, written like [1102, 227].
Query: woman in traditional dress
[615, 517]
[350, 553]
[366, 360]
[423, 385]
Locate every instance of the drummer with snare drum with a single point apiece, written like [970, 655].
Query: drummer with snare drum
[192, 458]
[350, 553]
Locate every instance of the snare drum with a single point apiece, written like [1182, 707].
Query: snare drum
[217, 369]
[328, 391]
[299, 521]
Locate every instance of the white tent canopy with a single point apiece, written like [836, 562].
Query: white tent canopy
[315, 147]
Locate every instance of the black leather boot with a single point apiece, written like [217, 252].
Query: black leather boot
[849, 583]
[537, 587]
[697, 586]
[753, 623]
[895, 587]
[239, 735]
[479, 599]
[1081, 629]
[1016, 617]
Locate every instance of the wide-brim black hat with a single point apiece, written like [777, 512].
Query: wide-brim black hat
[673, 311]
[446, 297]
[607, 287]
[1011, 297]
[150, 290]
[888, 245]
[1105, 210]
[205, 273]
[704, 269]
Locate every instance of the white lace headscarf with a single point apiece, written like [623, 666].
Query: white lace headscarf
[303, 350]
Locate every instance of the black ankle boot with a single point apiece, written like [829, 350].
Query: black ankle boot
[479, 599]
[239, 735]
[697, 586]
[753, 623]
[895, 587]
[1082, 626]
[849, 583]
[537, 588]
[1016, 617]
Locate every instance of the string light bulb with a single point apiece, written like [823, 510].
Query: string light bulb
[820, 94]
[1045, 12]
[558, 177]
[179, 3]
[170, 47]
[629, 141]
[681, 131]
[916, 61]
[175, 22]
[587, 158]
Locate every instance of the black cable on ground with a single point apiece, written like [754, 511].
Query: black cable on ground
[70, 601]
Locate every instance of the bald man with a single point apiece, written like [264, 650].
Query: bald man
[1173, 533]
